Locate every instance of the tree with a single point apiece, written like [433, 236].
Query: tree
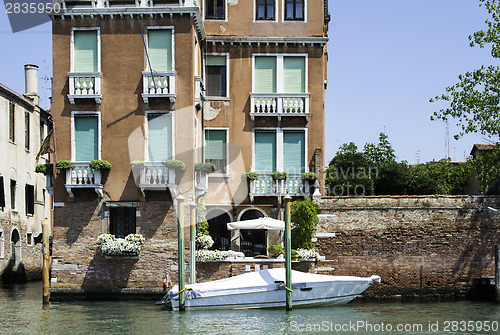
[304, 216]
[475, 99]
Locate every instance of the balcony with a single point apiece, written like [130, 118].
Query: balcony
[69, 4]
[154, 176]
[199, 91]
[82, 176]
[158, 84]
[266, 186]
[279, 104]
[84, 85]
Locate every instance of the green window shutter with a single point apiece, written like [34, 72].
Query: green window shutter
[215, 144]
[294, 152]
[216, 60]
[2, 193]
[86, 138]
[85, 51]
[294, 74]
[265, 152]
[159, 137]
[265, 74]
[160, 49]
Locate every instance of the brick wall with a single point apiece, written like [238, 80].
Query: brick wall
[417, 245]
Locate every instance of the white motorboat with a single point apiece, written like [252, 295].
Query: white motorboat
[266, 289]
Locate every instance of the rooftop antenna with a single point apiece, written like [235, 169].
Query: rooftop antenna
[447, 141]
[417, 155]
[46, 85]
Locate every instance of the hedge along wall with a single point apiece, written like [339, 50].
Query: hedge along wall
[418, 245]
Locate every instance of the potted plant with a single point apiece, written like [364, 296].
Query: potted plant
[177, 165]
[100, 164]
[251, 175]
[309, 176]
[63, 165]
[137, 164]
[279, 175]
[204, 167]
[45, 169]
[275, 250]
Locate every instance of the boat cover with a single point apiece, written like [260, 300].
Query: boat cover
[260, 223]
[261, 281]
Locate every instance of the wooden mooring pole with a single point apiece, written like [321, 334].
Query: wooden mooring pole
[288, 252]
[46, 261]
[497, 273]
[192, 245]
[180, 251]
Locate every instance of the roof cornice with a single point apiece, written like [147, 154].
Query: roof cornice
[266, 41]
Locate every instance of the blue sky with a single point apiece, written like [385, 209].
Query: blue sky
[386, 60]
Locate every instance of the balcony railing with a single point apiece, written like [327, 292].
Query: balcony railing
[267, 186]
[84, 85]
[82, 176]
[159, 84]
[199, 90]
[154, 176]
[279, 104]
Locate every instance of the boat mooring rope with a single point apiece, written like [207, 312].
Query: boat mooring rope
[288, 289]
[185, 289]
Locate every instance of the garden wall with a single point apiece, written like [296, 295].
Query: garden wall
[418, 245]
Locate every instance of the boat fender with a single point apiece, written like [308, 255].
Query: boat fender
[375, 279]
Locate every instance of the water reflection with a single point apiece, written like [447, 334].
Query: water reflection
[22, 313]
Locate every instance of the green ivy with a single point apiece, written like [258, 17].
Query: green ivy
[304, 218]
[177, 165]
[63, 165]
[45, 169]
[100, 164]
[204, 167]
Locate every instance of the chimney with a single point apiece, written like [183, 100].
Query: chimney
[31, 79]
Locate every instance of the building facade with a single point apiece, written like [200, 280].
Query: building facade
[24, 197]
[238, 84]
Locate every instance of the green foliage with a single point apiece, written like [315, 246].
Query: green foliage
[380, 152]
[487, 169]
[392, 178]
[137, 164]
[202, 227]
[309, 175]
[294, 254]
[275, 250]
[251, 175]
[279, 175]
[100, 164]
[475, 99]
[177, 165]
[304, 218]
[45, 169]
[348, 169]
[204, 167]
[63, 165]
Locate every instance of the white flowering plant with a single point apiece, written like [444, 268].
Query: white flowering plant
[112, 246]
[211, 255]
[307, 253]
[204, 241]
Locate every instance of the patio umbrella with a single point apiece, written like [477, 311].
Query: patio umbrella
[260, 223]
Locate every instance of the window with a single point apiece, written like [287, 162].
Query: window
[13, 189]
[294, 10]
[159, 127]
[27, 131]
[215, 9]
[2, 193]
[12, 123]
[29, 192]
[160, 49]
[122, 221]
[86, 137]
[216, 148]
[85, 51]
[280, 150]
[264, 9]
[29, 238]
[280, 74]
[216, 76]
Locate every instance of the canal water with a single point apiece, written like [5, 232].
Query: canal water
[21, 312]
